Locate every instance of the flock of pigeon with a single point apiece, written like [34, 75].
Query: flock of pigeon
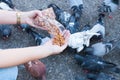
[81, 40]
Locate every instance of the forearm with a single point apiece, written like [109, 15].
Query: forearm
[13, 57]
[9, 17]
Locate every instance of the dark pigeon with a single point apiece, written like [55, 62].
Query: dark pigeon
[5, 31]
[93, 63]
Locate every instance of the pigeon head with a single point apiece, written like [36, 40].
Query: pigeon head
[24, 27]
[100, 19]
[108, 47]
[64, 17]
[100, 49]
[5, 31]
[77, 11]
[38, 41]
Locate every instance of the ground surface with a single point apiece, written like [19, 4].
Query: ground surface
[63, 66]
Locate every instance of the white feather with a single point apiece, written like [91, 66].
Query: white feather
[77, 40]
[98, 28]
[99, 49]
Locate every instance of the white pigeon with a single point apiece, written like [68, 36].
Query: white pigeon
[79, 39]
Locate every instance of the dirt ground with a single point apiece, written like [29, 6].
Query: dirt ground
[63, 66]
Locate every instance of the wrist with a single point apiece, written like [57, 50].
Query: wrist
[43, 51]
[20, 16]
[48, 50]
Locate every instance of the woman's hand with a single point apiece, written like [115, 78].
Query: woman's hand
[30, 16]
[55, 49]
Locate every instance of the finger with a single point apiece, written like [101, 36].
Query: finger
[63, 33]
[67, 35]
[39, 13]
[64, 46]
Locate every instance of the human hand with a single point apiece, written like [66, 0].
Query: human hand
[30, 16]
[55, 49]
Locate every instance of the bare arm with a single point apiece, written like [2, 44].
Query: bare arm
[10, 17]
[12, 57]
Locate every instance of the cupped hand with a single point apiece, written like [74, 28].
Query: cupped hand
[55, 49]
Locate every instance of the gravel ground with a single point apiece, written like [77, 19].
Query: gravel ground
[63, 66]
